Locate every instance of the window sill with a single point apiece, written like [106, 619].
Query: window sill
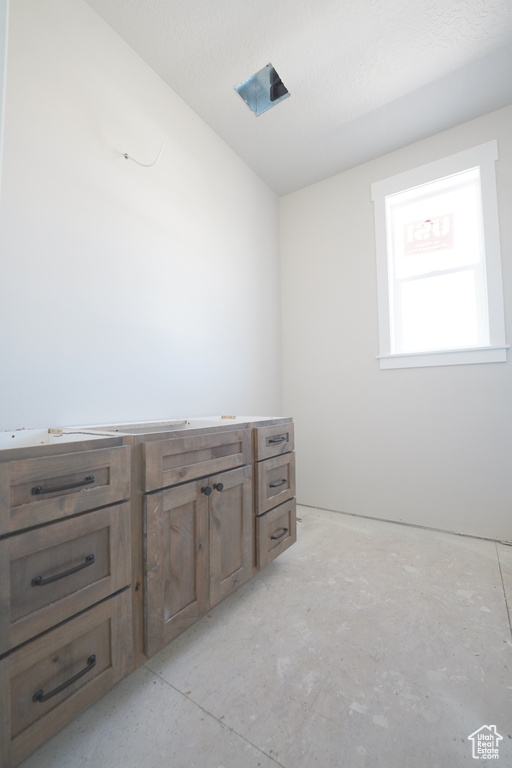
[497, 354]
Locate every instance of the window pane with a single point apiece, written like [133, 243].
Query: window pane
[439, 263]
[439, 313]
[438, 231]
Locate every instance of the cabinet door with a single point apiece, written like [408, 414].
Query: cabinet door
[176, 555]
[231, 532]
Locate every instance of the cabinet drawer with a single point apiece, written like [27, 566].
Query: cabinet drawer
[36, 491]
[275, 531]
[52, 573]
[275, 481]
[179, 459]
[50, 681]
[273, 441]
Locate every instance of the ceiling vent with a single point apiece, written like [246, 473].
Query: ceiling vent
[263, 90]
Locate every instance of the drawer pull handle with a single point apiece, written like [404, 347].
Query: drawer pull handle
[40, 696]
[280, 439]
[218, 486]
[284, 530]
[38, 581]
[206, 490]
[38, 489]
[277, 483]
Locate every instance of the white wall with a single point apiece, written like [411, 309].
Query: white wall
[126, 292]
[4, 15]
[429, 446]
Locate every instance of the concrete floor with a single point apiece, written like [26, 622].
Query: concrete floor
[365, 644]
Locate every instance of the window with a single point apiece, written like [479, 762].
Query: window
[439, 264]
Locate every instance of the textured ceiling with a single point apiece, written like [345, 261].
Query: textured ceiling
[365, 76]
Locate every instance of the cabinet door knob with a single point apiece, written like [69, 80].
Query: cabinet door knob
[206, 490]
[218, 486]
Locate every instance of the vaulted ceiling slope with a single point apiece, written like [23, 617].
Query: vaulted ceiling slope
[365, 76]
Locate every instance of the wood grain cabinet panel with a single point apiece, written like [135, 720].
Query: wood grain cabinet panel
[276, 530]
[54, 572]
[40, 490]
[65, 575]
[180, 459]
[231, 530]
[49, 681]
[275, 481]
[273, 441]
[275, 525]
[176, 563]
[198, 551]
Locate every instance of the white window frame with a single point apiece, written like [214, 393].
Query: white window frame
[484, 156]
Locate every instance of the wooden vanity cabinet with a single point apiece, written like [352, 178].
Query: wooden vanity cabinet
[65, 572]
[110, 548]
[198, 535]
[162, 463]
[209, 533]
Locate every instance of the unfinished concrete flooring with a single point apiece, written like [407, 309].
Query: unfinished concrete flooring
[366, 644]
